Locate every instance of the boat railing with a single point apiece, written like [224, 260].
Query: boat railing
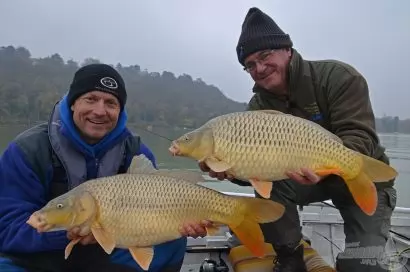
[318, 219]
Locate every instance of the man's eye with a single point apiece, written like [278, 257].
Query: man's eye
[264, 56]
[89, 99]
[250, 66]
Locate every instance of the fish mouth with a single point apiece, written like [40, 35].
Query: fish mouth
[174, 149]
[38, 221]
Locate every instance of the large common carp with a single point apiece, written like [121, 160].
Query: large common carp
[146, 207]
[261, 146]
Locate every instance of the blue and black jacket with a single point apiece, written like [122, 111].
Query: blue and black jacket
[48, 160]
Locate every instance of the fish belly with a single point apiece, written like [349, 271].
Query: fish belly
[267, 147]
[144, 210]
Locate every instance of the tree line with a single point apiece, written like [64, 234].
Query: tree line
[29, 87]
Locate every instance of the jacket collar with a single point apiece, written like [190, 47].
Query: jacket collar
[68, 130]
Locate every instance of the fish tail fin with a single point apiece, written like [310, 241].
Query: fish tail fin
[362, 186]
[376, 170]
[363, 192]
[245, 221]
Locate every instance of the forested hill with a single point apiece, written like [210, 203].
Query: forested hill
[29, 87]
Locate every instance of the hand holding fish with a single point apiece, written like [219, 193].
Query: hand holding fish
[308, 176]
[195, 230]
[87, 239]
[212, 174]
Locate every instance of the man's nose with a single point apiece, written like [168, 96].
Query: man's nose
[259, 67]
[99, 108]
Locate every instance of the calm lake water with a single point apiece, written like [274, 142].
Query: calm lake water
[397, 145]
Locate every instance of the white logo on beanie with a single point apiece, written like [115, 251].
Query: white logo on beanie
[109, 82]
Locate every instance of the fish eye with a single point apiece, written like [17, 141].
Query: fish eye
[59, 206]
[186, 138]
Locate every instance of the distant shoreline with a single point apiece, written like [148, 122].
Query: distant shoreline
[150, 127]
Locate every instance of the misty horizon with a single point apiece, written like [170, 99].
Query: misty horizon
[199, 39]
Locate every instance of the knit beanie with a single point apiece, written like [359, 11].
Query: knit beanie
[260, 32]
[97, 77]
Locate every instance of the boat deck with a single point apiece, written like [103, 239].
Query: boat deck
[322, 225]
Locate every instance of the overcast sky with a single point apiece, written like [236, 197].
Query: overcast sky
[199, 37]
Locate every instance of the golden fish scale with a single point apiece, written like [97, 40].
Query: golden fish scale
[143, 210]
[274, 143]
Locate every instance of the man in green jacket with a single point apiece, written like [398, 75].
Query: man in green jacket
[336, 96]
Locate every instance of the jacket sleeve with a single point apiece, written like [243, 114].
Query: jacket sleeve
[351, 113]
[21, 193]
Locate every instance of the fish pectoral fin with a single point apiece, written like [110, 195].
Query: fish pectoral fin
[142, 255]
[322, 172]
[263, 188]
[217, 165]
[104, 238]
[70, 247]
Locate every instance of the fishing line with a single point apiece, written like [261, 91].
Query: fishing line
[156, 134]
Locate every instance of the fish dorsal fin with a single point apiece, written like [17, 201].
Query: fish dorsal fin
[271, 111]
[325, 131]
[187, 175]
[334, 136]
[140, 164]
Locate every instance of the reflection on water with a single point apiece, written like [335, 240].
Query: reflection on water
[398, 145]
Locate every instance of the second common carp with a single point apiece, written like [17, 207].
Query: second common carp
[261, 146]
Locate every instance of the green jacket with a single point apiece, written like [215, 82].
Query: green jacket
[332, 94]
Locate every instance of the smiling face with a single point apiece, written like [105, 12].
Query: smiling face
[95, 114]
[268, 68]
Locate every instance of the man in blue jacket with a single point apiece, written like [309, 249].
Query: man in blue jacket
[86, 137]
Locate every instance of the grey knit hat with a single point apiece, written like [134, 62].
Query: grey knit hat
[260, 32]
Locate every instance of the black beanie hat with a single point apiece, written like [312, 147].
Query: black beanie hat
[260, 32]
[97, 77]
